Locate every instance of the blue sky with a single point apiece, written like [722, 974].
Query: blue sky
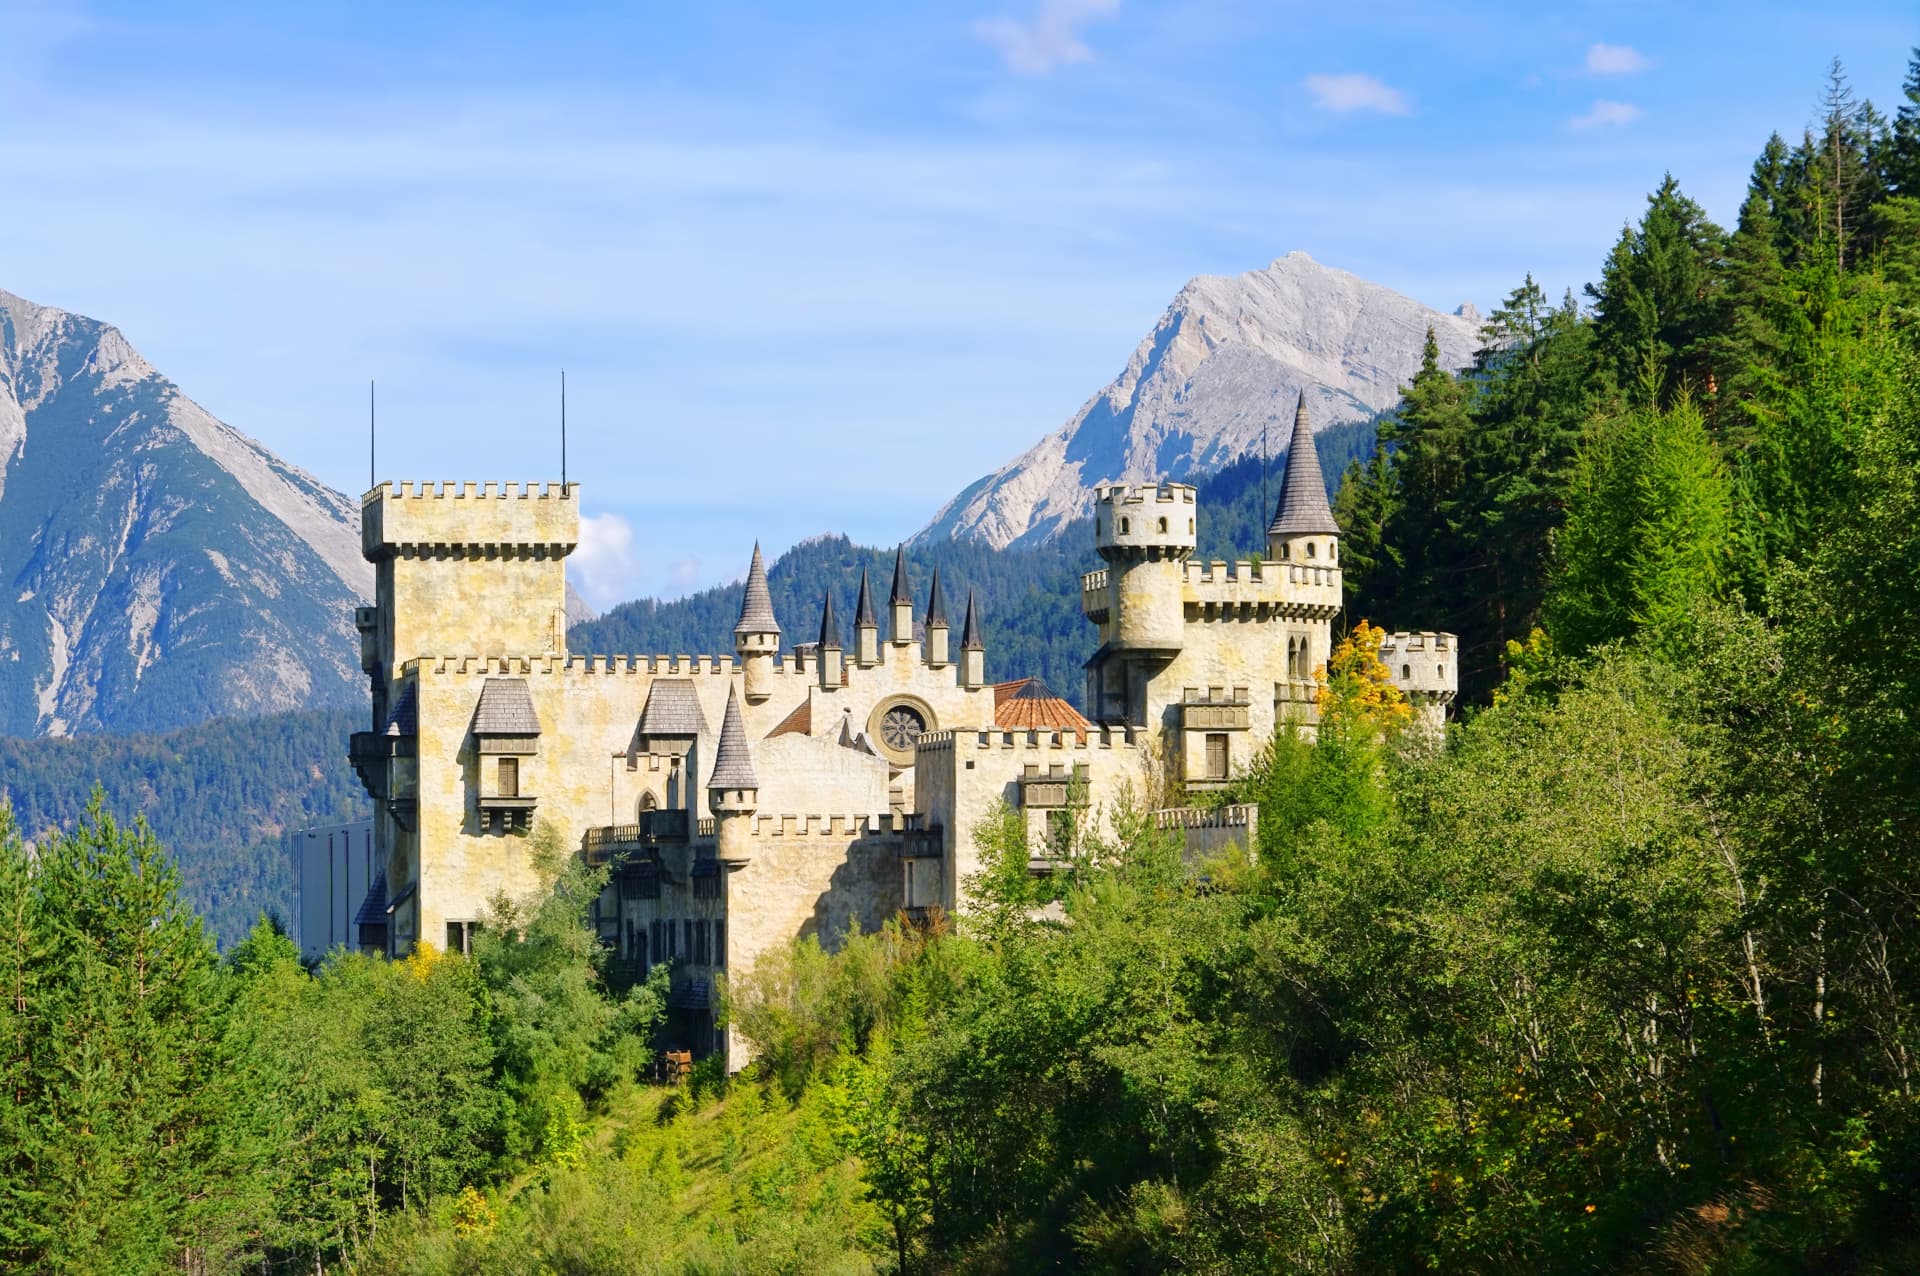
[813, 267]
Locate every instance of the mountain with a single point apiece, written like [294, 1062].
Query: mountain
[157, 567]
[1227, 360]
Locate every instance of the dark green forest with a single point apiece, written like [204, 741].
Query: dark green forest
[1620, 976]
[218, 796]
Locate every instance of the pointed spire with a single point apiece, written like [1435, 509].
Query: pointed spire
[902, 591]
[829, 626]
[732, 763]
[936, 603]
[1303, 508]
[756, 606]
[863, 616]
[970, 629]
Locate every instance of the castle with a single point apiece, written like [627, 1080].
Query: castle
[748, 799]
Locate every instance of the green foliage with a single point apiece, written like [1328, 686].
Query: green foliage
[221, 795]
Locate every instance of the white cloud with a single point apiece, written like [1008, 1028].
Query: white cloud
[1345, 93]
[603, 566]
[1615, 59]
[1605, 114]
[1050, 39]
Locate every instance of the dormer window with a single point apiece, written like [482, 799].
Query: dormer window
[506, 732]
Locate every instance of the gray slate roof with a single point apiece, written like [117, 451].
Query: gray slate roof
[672, 709]
[936, 603]
[863, 606]
[405, 718]
[970, 629]
[756, 605]
[506, 708]
[732, 763]
[829, 625]
[902, 589]
[1303, 509]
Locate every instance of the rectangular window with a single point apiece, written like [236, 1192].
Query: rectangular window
[460, 936]
[686, 937]
[1217, 756]
[700, 943]
[510, 777]
[720, 944]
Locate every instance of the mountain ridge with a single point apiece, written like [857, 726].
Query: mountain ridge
[157, 567]
[1224, 362]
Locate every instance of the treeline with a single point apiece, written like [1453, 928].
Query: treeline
[218, 796]
[1029, 598]
[1689, 428]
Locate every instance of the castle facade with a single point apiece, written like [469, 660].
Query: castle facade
[747, 799]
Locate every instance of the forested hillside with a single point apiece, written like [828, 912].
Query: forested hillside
[218, 796]
[1622, 975]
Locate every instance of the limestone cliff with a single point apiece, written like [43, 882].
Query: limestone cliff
[157, 567]
[1227, 358]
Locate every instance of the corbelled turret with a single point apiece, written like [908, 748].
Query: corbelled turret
[757, 635]
[937, 654]
[900, 600]
[830, 651]
[1303, 527]
[866, 627]
[973, 652]
[733, 790]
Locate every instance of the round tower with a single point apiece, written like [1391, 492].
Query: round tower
[733, 790]
[1303, 529]
[756, 639]
[1145, 533]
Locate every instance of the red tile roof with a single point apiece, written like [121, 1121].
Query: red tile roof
[1026, 704]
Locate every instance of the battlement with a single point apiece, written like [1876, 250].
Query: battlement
[406, 518]
[1422, 663]
[1154, 518]
[811, 826]
[800, 665]
[1099, 737]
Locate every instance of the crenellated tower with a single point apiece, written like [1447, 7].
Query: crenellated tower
[463, 567]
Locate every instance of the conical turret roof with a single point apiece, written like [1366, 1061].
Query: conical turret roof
[970, 629]
[902, 590]
[756, 607]
[936, 603]
[863, 616]
[732, 763]
[1303, 509]
[829, 625]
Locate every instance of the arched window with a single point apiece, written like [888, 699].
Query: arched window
[1333, 551]
[1189, 527]
[1310, 552]
[1286, 551]
[1406, 673]
[1163, 526]
[1440, 672]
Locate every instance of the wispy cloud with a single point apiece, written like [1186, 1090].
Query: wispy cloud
[1605, 114]
[1050, 38]
[604, 567]
[1615, 59]
[1345, 93]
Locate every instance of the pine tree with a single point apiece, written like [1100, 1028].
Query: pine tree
[1657, 293]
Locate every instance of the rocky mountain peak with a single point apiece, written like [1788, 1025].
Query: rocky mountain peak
[1225, 362]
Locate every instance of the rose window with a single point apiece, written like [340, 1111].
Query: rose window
[900, 727]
